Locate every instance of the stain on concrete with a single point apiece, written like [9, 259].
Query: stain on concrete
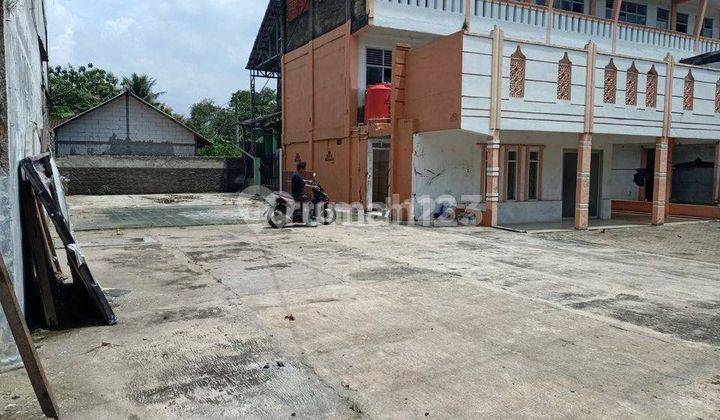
[209, 379]
[116, 293]
[238, 379]
[187, 314]
[395, 272]
[683, 322]
[224, 252]
[268, 266]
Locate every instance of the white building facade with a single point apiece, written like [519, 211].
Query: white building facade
[550, 112]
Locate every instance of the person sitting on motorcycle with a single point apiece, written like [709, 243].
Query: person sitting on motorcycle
[299, 185]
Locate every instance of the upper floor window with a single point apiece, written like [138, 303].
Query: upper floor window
[379, 66]
[629, 12]
[707, 28]
[681, 22]
[577, 6]
[663, 19]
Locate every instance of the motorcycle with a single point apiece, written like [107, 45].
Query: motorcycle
[319, 208]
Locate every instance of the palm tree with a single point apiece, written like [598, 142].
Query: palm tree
[142, 85]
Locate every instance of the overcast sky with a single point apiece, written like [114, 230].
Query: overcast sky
[194, 48]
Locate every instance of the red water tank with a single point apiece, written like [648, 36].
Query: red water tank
[377, 102]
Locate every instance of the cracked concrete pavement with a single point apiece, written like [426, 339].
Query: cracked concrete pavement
[387, 322]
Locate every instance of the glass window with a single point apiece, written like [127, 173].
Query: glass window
[681, 23]
[629, 12]
[707, 28]
[378, 66]
[663, 19]
[533, 175]
[577, 6]
[512, 175]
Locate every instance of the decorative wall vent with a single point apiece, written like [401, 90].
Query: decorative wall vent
[717, 96]
[689, 91]
[564, 85]
[651, 88]
[631, 85]
[517, 74]
[610, 86]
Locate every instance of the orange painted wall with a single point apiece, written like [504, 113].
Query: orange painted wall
[332, 163]
[320, 108]
[330, 88]
[295, 152]
[433, 84]
[297, 95]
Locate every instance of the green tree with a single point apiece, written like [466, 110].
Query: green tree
[265, 103]
[76, 90]
[217, 123]
[143, 86]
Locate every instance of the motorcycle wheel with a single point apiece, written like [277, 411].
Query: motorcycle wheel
[330, 214]
[276, 218]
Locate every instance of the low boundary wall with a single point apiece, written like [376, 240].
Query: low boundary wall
[112, 175]
[681, 210]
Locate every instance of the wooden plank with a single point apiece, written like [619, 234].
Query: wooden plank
[46, 228]
[44, 269]
[25, 345]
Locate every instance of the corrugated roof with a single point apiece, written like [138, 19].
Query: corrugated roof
[267, 50]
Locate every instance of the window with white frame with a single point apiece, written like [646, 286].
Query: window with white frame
[521, 174]
[378, 66]
[707, 28]
[681, 22]
[663, 19]
[512, 175]
[533, 174]
[629, 12]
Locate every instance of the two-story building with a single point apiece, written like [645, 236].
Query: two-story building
[546, 111]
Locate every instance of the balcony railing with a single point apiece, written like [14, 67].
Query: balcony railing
[530, 22]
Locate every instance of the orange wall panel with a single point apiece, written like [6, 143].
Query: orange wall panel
[332, 166]
[294, 152]
[319, 79]
[358, 162]
[433, 84]
[331, 89]
[297, 95]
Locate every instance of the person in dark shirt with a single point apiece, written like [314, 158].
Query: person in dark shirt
[298, 192]
[298, 182]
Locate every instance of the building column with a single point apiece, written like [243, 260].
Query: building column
[660, 187]
[669, 175]
[582, 188]
[401, 140]
[492, 157]
[716, 177]
[492, 180]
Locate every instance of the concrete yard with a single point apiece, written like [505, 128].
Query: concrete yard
[388, 321]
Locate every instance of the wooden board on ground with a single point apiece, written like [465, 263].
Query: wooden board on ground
[24, 343]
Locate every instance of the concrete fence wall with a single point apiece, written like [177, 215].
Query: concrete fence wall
[111, 175]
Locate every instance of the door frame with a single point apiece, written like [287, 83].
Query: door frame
[370, 168]
[600, 179]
